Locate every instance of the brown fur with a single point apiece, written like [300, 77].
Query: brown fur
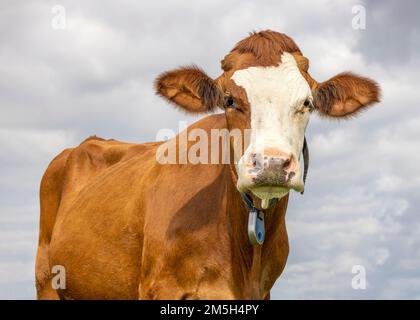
[345, 94]
[190, 88]
[266, 47]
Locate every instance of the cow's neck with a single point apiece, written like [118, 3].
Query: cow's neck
[260, 264]
[254, 269]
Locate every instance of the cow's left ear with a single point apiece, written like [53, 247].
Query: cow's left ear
[345, 95]
[190, 88]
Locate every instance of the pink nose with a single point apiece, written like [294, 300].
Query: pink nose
[273, 163]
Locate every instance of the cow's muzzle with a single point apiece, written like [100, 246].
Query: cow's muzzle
[272, 173]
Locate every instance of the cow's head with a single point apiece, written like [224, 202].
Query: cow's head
[266, 87]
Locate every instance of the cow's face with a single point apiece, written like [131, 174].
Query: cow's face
[276, 102]
[266, 90]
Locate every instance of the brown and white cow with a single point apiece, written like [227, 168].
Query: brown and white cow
[124, 226]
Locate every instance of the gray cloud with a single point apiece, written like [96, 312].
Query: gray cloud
[95, 77]
[392, 35]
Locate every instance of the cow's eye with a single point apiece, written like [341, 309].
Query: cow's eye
[229, 102]
[308, 104]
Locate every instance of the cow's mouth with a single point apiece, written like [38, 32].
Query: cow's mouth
[274, 184]
[268, 192]
[264, 191]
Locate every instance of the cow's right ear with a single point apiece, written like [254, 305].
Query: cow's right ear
[190, 88]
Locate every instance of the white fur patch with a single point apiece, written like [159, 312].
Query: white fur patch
[276, 95]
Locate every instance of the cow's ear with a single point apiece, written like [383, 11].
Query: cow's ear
[345, 95]
[190, 88]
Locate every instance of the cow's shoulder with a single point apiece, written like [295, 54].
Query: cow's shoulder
[87, 161]
[104, 153]
[100, 152]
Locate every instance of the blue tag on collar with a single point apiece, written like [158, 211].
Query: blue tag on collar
[256, 230]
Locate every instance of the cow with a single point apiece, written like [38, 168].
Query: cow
[121, 224]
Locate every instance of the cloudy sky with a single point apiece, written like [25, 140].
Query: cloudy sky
[361, 206]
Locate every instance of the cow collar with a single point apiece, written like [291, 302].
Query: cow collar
[256, 228]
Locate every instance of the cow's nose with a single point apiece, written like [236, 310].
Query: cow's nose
[273, 161]
[279, 163]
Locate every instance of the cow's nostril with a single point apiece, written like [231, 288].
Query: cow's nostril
[255, 160]
[286, 163]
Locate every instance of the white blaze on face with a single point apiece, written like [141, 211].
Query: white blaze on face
[276, 95]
